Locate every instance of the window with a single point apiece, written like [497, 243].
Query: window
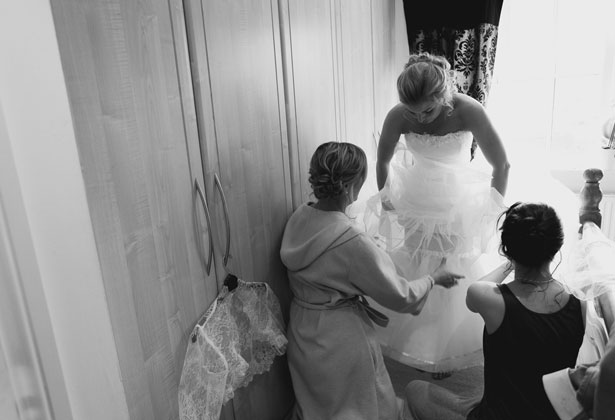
[554, 83]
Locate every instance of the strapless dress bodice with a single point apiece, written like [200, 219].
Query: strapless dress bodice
[448, 148]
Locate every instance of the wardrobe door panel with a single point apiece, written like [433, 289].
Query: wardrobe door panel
[122, 69]
[311, 62]
[329, 57]
[236, 64]
[247, 100]
[390, 52]
[356, 73]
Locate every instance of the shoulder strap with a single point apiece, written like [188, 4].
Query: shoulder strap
[506, 292]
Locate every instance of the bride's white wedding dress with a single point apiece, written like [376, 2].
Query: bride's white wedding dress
[444, 207]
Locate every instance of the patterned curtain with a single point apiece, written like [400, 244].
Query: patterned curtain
[463, 31]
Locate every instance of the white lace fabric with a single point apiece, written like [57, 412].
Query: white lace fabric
[242, 334]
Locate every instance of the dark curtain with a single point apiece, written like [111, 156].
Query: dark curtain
[463, 31]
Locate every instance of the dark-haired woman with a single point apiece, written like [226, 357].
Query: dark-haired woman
[533, 326]
[335, 361]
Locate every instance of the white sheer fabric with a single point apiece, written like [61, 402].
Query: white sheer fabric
[590, 271]
[242, 334]
[595, 338]
[444, 207]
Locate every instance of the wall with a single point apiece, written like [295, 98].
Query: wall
[342, 59]
[23, 389]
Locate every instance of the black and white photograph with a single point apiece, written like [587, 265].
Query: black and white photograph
[307, 210]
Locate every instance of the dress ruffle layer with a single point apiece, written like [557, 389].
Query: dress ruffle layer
[590, 271]
[442, 208]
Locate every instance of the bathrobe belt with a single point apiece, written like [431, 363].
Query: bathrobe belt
[357, 301]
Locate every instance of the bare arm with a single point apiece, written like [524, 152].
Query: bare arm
[477, 291]
[372, 271]
[484, 297]
[391, 131]
[607, 307]
[604, 403]
[499, 274]
[477, 120]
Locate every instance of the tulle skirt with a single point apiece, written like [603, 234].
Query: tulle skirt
[450, 211]
[440, 211]
[590, 274]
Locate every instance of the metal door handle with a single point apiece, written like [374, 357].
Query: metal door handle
[199, 192]
[227, 250]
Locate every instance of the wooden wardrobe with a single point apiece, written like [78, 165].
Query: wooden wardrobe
[230, 98]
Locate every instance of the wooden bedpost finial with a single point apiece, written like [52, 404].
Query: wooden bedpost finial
[590, 197]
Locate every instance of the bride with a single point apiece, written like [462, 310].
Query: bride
[432, 204]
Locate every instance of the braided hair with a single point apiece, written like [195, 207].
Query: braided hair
[335, 165]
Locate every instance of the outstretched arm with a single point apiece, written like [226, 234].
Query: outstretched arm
[607, 308]
[477, 120]
[372, 271]
[391, 130]
[499, 274]
[604, 403]
[484, 297]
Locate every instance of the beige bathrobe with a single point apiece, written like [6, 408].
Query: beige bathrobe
[335, 362]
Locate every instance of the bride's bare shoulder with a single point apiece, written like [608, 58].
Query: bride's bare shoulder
[396, 119]
[463, 103]
[467, 111]
[397, 111]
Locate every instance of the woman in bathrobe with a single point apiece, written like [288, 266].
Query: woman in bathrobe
[335, 361]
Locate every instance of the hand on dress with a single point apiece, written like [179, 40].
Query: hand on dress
[445, 278]
[387, 205]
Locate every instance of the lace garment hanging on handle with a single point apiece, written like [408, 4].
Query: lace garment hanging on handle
[242, 334]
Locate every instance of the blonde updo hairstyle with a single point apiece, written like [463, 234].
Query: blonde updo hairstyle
[335, 165]
[426, 77]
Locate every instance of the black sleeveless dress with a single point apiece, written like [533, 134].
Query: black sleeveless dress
[526, 346]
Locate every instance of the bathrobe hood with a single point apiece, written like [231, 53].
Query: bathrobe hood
[310, 233]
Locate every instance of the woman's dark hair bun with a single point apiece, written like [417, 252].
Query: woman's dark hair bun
[531, 233]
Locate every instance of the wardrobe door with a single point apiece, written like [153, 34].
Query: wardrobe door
[123, 73]
[310, 57]
[328, 54]
[356, 70]
[237, 74]
[390, 53]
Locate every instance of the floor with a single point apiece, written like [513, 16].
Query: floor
[461, 382]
